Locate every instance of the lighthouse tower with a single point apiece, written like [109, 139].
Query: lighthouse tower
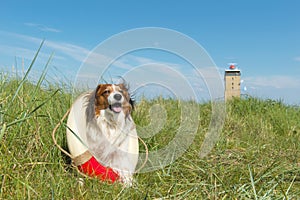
[232, 78]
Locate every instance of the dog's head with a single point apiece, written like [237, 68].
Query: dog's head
[113, 98]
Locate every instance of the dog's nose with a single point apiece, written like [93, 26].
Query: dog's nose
[117, 97]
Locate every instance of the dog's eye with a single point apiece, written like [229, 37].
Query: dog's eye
[106, 92]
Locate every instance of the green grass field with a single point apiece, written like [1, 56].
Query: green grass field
[256, 157]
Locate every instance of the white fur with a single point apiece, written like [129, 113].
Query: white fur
[111, 137]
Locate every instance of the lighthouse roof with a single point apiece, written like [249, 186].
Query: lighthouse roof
[232, 68]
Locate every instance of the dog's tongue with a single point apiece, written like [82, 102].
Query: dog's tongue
[116, 108]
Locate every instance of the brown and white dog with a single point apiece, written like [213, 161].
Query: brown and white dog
[100, 126]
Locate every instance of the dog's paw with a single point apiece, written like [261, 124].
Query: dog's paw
[127, 181]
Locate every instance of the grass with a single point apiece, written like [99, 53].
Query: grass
[256, 157]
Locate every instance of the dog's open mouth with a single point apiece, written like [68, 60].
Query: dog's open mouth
[116, 107]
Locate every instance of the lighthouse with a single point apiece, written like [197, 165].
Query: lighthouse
[232, 78]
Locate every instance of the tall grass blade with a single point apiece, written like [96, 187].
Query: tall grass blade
[26, 185]
[3, 128]
[289, 188]
[75, 135]
[252, 182]
[25, 76]
[18, 120]
[44, 102]
[42, 77]
[28, 116]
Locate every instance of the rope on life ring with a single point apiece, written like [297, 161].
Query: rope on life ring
[72, 158]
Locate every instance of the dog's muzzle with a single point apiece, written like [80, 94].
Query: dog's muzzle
[116, 106]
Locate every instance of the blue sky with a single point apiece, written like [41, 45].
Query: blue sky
[263, 37]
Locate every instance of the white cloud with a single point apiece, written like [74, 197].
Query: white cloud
[9, 35]
[24, 53]
[43, 27]
[27, 45]
[77, 52]
[297, 58]
[141, 60]
[278, 82]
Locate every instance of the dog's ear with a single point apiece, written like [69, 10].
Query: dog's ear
[128, 106]
[131, 102]
[101, 94]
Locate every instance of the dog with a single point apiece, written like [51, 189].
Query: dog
[100, 126]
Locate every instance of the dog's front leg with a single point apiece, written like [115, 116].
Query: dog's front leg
[125, 165]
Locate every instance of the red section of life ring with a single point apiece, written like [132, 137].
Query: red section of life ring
[94, 169]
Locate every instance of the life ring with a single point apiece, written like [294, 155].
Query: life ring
[85, 162]
[81, 157]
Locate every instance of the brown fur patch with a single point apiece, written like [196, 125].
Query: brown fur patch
[101, 95]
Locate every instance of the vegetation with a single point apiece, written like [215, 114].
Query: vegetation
[256, 157]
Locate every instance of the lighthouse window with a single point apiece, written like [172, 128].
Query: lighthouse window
[232, 78]
[232, 83]
[233, 88]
